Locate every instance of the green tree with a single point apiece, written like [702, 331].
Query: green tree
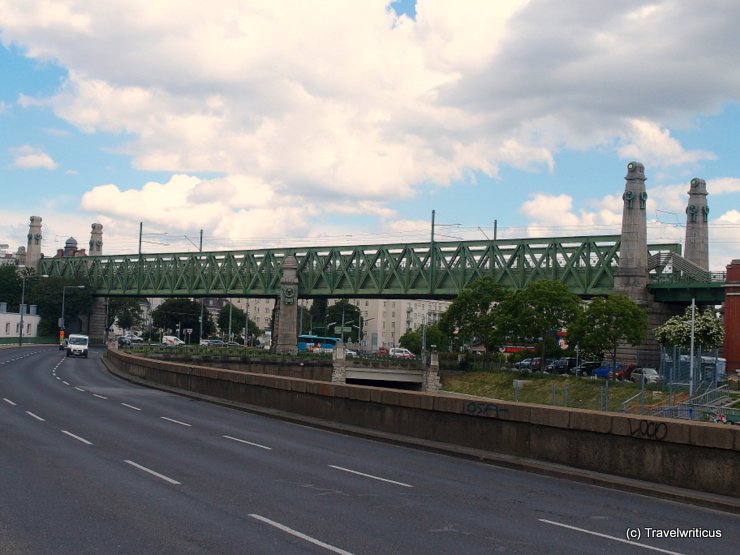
[126, 312]
[10, 287]
[48, 293]
[182, 313]
[237, 319]
[343, 311]
[317, 314]
[537, 312]
[472, 315]
[414, 340]
[411, 340]
[709, 332]
[605, 323]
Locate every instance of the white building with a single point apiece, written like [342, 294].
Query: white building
[10, 322]
[386, 320]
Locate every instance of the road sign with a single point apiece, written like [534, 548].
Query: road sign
[340, 329]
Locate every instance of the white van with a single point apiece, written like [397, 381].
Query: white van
[77, 345]
[400, 352]
[172, 341]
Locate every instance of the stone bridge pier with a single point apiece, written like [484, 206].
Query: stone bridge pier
[732, 317]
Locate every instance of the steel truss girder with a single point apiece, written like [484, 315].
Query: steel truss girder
[440, 269]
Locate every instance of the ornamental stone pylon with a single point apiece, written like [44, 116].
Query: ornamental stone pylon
[696, 245]
[96, 240]
[287, 320]
[631, 277]
[33, 250]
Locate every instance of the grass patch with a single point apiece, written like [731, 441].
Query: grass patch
[583, 393]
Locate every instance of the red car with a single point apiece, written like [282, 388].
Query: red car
[625, 373]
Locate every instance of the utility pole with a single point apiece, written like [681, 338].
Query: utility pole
[230, 305]
[200, 250]
[431, 258]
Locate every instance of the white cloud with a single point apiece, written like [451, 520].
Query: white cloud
[28, 157]
[654, 146]
[371, 105]
[305, 110]
[723, 185]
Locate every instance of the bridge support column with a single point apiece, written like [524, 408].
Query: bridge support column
[339, 364]
[287, 309]
[96, 326]
[431, 382]
[732, 317]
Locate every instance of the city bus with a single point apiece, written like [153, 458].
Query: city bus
[316, 344]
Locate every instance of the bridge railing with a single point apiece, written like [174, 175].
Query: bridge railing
[586, 264]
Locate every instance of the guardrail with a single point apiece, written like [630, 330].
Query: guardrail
[709, 397]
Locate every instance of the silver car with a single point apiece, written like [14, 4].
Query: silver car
[651, 375]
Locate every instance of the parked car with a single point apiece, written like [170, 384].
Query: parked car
[382, 351]
[400, 352]
[211, 343]
[606, 370]
[523, 364]
[350, 353]
[651, 375]
[585, 368]
[625, 373]
[123, 341]
[562, 365]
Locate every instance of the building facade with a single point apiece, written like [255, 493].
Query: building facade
[10, 322]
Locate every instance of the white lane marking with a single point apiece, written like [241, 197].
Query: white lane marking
[150, 471]
[78, 438]
[99, 396]
[29, 413]
[370, 476]
[300, 535]
[130, 406]
[615, 538]
[9, 401]
[65, 383]
[176, 421]
[79, 389]
[248, 442]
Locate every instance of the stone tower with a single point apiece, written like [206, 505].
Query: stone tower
[697, 225]
[96, 240]
[631, 277]
[287, 329]
[33, 250]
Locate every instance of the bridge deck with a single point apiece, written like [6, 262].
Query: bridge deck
[417, 270]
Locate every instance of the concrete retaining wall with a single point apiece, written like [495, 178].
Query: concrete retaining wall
[320, 371]
[696, 455]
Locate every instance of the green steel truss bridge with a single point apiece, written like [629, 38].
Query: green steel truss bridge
[418, 270]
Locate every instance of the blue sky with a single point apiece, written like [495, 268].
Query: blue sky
[297, 124]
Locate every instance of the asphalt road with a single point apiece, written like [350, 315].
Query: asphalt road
[90, 463]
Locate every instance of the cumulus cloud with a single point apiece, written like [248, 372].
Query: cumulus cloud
[29, 157]
[653, 145]
[303, 111]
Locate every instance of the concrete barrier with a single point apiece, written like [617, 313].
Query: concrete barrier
[695, 455]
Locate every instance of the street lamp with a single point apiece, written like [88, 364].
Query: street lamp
[61, 320]
[363, 322]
